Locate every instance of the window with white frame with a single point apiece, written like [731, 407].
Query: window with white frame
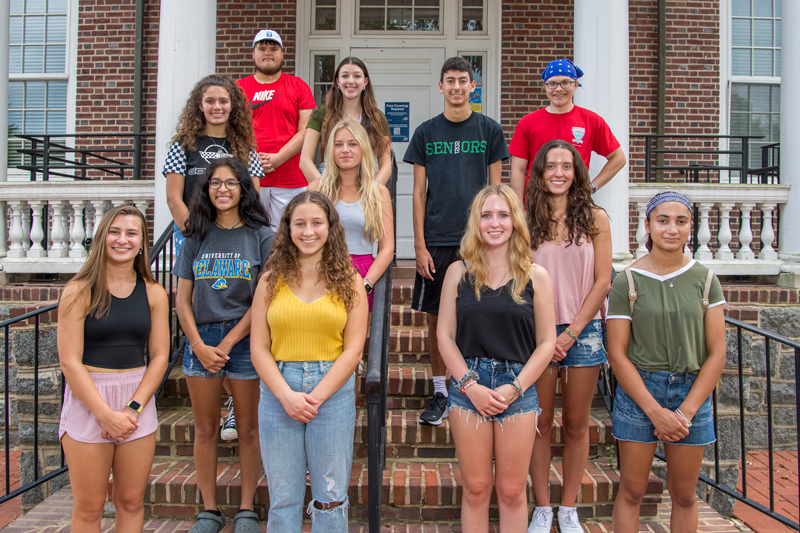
[755, 70]
[399, 15]
[38, 76]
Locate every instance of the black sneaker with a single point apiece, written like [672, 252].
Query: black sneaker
[436, 411]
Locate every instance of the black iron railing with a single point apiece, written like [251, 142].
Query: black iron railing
[608, 385]
[50, 155]
[377, 370]
[162, 253]
[696, 159]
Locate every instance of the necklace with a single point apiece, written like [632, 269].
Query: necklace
[223, 227]
[359, 115]
[500, 284]
[671, 281]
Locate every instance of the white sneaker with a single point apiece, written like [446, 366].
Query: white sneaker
[542, 521]
[568, 520]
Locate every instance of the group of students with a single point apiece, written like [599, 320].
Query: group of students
[273, 297]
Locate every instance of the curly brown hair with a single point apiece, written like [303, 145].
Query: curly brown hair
[371, 121]
[335, 266]
[580, 205]
[239, 129]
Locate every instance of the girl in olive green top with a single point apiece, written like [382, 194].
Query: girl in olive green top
[351, 96]
[667, 351]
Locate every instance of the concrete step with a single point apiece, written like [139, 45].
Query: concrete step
[412, 491]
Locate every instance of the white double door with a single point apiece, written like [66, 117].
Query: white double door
[405, 75]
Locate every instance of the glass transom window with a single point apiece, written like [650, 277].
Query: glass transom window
[399, 15]
[756, 38]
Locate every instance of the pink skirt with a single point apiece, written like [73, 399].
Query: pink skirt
[362, 264]
[116, 389]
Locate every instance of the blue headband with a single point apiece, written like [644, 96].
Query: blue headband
[561, 67]
[667, 196]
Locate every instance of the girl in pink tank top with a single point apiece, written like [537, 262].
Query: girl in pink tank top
[571, 238]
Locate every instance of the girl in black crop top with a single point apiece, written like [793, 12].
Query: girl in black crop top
[496, 334]
[107, 313]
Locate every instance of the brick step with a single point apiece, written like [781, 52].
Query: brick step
[409, 386]
[406, 439]
[412, 492]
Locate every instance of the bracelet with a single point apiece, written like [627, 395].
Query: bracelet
[468, 385]
[571, 334]
[195, 344]
[471, 375]
[593, 186]
[680, 414]
[518, 389]
[369, 281]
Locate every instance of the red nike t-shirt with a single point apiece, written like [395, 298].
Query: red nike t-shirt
[276, 109]
[584, 129]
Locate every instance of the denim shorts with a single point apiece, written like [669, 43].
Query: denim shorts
[588, 349]
[493, 373]
[239, 366]
[630, 423]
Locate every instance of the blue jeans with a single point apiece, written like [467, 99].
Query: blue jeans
[588, 349]
[629, 421]
[324, 446]
[239, 366]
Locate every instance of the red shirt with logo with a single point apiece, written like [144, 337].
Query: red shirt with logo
[584, 129]
[276, 110]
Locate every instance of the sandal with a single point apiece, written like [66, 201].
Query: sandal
[245, 522]
[208, 522]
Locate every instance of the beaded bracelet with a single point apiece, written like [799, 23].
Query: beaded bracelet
[518, 389]
[471, 375]
[680, 414]
[571, 334]
[467, 385]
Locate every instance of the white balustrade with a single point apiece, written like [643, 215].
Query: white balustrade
[75, 210]
[724, 199]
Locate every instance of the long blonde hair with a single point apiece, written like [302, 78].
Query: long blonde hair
[473, 247]
[93, 271]
[368, 191]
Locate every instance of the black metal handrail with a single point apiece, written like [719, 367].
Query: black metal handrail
[376, 388]
[161, 254]
[607, 385]
[693, 169]
[51, 156]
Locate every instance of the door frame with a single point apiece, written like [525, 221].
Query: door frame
[341, 42]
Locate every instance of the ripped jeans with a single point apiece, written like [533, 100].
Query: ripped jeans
[588, 350]
[324, 446]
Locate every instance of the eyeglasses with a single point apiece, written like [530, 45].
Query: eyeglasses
[229, 184]
[566, 84]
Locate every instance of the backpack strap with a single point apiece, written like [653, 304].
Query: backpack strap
[632, 294]
[707, 289]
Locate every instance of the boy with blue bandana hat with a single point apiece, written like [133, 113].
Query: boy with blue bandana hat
[563, 120]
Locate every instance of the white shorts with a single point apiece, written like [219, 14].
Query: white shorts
[274, 200]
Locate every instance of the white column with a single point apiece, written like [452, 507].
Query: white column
[790, 135]
[186, 52]
[601, 51]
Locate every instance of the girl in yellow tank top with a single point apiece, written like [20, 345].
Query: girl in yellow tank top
[309, 319]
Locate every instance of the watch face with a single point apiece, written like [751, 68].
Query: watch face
[135, 406]
[368, 288]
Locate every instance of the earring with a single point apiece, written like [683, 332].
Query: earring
[364, 88]
[141, 251]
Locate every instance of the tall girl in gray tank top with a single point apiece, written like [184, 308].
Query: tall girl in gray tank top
[363, 203]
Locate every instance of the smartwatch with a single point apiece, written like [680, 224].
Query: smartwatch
[133, 405]
[368, 286]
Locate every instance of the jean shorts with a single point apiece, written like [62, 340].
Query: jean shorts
[493, 373]
[630, 423]
[239, 366]
[588, 349]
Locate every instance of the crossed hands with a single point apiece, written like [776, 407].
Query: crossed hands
[213, 358]
[300, 406]
[119, 425]
[491, 402]
[267, 162]
[669, 426]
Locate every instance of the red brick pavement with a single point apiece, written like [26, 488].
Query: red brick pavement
[12, 509]
[52, 516]
[786, 488]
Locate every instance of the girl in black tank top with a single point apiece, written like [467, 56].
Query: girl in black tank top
[496, 333]
[107, 313]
